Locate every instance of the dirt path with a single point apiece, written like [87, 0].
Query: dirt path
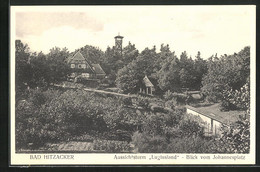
[107, 92]
[97, 91]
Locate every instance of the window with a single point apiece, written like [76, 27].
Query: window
[86, 75]
[72, 65]
[83, 66]
[79, 66]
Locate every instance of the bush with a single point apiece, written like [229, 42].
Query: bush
[235, 139]
[177, 98]
[190, 128]
[141, 102]
[147, 144]
[111, 146]
[193, 144]
[126, 101]
[158, 144]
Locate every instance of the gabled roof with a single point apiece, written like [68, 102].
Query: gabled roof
[98, 69]
[147, 82]
[78, 57]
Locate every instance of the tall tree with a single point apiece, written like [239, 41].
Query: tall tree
[168, 75]
[226, 72]
[200, 69]
[22, 64]
[129, 77]
[91, 53]
[40, 70]
[164, 53]
[129, 53]
[58, 67]
[187, 78]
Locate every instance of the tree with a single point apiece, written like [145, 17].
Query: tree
[162, 56]
[168, 75]
[22, 65]
[112, 62]
[200, 69]
[58, 67]
[91, 53]
[129, 53]
[226, 72]
[129, 77]
[40, 76]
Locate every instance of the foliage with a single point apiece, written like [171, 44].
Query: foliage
[187, 78]
[111, 146]
[226, 72]
[141, 102]
[177, 98]
[235, 139]
[129, 53]
[129, 77]
[147, 144]
[39, 70]
[22, 65]
[58, 68]
[238, 99]
[93, 54]
[168, 75]
[159, 144]
[195, 144]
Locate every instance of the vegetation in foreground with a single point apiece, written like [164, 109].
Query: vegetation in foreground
[112, 124]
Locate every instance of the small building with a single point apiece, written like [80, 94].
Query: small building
[146, 86]
[81, 67]
[211, 118]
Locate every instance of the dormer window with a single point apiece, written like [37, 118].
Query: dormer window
[72, 65]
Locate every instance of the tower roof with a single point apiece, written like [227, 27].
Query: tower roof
[118, 36]
[147, 82]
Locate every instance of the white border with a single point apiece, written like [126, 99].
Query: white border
[109, 159]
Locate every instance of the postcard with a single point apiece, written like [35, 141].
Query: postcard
[132, 85]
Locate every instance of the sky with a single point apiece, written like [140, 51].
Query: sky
[208, 29]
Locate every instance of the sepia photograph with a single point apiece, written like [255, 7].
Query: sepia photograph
[132, 85]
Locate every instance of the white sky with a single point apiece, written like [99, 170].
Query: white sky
[208, 29]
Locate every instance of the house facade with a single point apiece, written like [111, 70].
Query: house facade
[82, 68]
[146, 86]
[210, 124]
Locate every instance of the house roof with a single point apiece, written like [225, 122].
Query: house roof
[147, 82]
[78, 58]
[98, 69]
[213, 112]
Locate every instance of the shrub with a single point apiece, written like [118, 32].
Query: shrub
[147, 144]
[190, 128]
[168, 95]
[126, 101]
[235, 139]
[193, 144]
[158, 144]
[111, 146]
[141, 102]
[171, 104]
[177, 98]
